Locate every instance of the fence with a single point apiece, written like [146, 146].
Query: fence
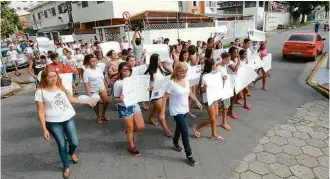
[199, 31]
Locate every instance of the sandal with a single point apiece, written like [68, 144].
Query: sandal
[265, 89]
[226, 127]
[74, 158]
[217, 138]
[239, 102]
[247, 107]
[197, 134]
[105, 118]
[153, 122]
[169, 134]
[66, 176]
[99, 120]
[233, 116]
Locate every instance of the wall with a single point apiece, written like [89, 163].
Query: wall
[134, 7]
[22, 5]
[94, 11]
[235, 29]
[50, 20]
[84, 37]
[273, 19]
[210, 10]
[258, 13]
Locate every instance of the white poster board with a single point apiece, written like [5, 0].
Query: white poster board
[194, 74]
[159, 86]
[44, 44]
[228, 87]
[107, 46]
[267, 62]
[127, 45]
[66, 79]
[139, 70]
[217, 54]
[135, 89]
[94, 96]
[214, 89]
[67, 38]
[256, 35]
[254, 61]
[244, 76]
[160, 49]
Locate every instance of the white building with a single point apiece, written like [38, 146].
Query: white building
[21, 7]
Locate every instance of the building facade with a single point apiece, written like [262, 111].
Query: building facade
[198, 7]
[21, 7]
[25, 21]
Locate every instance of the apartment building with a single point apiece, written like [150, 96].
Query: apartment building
[198, 7]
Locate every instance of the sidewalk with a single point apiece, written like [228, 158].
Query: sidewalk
[319, 78]
[298, 149]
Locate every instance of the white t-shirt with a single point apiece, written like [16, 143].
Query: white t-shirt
[118, 90]
[72, 62]
[57, 105]
[29, 50]
[94, 78]
[158, 93]
[232, 63]
[222, 70]
[12, 55]
[178, 102]
[101, 65]
[80, 60]
[204, 95]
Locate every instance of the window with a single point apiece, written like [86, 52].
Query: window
[99, 2]
[62, 8]
[308, 38]
[25, 8]
[45, 13]
[84, 4]
[250, 4]
[18, 8]
[195, 3]
[53, 11]
[39, 16]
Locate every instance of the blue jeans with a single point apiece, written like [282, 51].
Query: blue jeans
[182, 129]
[59, 130]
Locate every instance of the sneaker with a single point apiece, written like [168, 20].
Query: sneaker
[191, 161]
[177, 147]
[134, 151]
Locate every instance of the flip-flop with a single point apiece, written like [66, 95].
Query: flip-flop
[226, 128]
[217, 138]
[168, 134]
[75, 160]
[99, 120]
[105, 118]
[247, 107]
[155, 123]
[233, 116]
[265, 89]
[191, 115]
[239, 102]
[197, 134]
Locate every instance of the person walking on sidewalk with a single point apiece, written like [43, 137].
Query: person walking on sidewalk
[37, 65]
[316, 26]
[178, 91]
[13, 59]
[56, 113]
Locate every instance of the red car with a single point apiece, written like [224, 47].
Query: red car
[304, 44]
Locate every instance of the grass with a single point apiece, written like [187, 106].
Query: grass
[298, 24]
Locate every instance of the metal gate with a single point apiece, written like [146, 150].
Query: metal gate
[110, 33]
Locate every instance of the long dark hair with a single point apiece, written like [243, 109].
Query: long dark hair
[208, 65]
[110, 53]
[87, 59]
[183, 51]
[231, 50]
[121, 66]
[153, 66]
[208, 52]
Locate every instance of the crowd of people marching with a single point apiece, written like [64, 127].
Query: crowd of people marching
[103, 75]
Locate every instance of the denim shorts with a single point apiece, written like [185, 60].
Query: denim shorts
[225, 103]
[125, 112]
[207, 104]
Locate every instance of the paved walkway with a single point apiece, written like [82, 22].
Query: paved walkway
[322, 75]
[296, 150]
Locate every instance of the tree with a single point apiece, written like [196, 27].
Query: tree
[9, 20]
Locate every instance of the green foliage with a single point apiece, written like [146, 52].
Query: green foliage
[9, 19]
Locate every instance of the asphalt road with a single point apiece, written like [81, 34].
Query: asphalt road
[103, 150]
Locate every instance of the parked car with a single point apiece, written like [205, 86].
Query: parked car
[304, 44]
[23, 61]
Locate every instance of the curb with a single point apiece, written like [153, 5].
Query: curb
[324, 91]
[12, 92]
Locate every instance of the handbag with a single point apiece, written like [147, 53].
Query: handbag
[5, 81]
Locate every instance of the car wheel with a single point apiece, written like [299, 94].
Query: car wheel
[284, 57]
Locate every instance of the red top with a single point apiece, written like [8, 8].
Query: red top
[61, 68]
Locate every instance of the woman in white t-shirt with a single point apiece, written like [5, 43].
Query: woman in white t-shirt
[233, 66]
[168, 63]
[95, 84]
[100, 61]
[244, 93]
[156, 73]
[80, 61]
[225, 103]
[55, 114]
[212, 109]
[178, 91]
[131, 115]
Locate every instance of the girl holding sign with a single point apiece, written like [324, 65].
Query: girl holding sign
[178, 91]
[56, 113]
[233, 66]
[131, 115]
[155, 71]
[262, 53]
[95, 84]
[244, 93]
[212, 109]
